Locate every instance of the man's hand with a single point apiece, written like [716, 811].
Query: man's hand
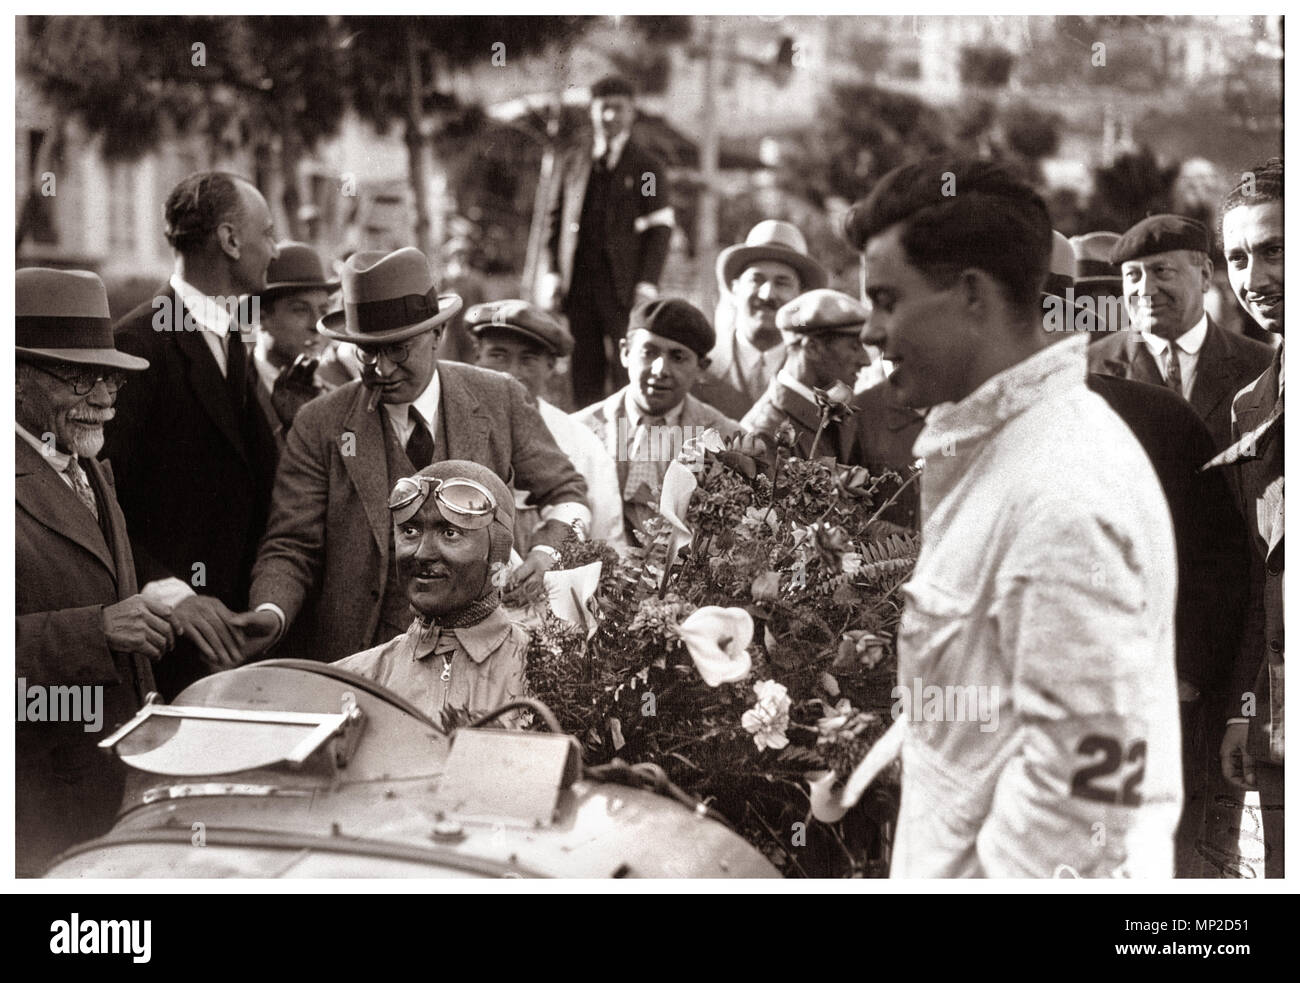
[138, 625]
[1234, 760]
[258, 630]
[526, 579]
[550, 293]
[644, 291]
[209, 624]
[294, 387]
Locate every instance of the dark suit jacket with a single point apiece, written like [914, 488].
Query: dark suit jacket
[886, 431]
[780, 403]
[1226, 363]
[324, 560]
[193, 473]
[634, 237]
[1213, 554]
[1254, 468]
[66, 571]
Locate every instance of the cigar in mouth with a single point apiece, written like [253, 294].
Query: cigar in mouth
[373, 401]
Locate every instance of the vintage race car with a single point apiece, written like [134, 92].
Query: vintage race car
[289, 768]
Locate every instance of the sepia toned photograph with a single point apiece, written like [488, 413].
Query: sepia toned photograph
[691, 448]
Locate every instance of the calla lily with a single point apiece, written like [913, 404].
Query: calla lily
[826, 805]
[678, 487]
[569, 593]
[718, 641]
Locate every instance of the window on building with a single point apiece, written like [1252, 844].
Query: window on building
[42, 223]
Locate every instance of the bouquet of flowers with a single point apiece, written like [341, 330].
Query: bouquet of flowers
[745, 646]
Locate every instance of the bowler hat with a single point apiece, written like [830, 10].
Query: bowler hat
[1161, 234]
[770, 240]
[821, 312]
[297, 267]
[522, 318]
[388, 297]
[62, 316]
[675, 319]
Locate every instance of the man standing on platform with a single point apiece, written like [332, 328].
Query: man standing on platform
[609, 225]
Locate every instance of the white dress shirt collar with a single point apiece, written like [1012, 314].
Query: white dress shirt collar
[209, 315]
[615, 148]
[426, 404]
[1189, 341]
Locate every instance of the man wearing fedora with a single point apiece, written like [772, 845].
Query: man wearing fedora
[294, 362]
[523, 341]
[326, 579]
[82, 623]
[769, 269]
[1166, 269]
[609, 225]
[1099, 279]
[193, 453]
[820, 332]
[645, 424]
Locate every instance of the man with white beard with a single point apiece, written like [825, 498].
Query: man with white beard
[82, 625]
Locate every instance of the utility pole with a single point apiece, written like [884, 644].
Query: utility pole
[706, 230]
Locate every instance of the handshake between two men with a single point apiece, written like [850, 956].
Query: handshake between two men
[150, 623]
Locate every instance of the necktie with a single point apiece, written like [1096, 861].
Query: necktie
[419, 446]
[81, 485]
[236, 368]
[643, 464]
[1173, 371]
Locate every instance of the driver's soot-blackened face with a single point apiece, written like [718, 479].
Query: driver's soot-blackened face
[444, 567]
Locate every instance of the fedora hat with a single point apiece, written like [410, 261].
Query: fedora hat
[771, 240]
[62, 316]
[388, 297]
[1092, 252]
[297, 267]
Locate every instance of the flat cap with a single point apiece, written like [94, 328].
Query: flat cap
[1161, 234]
[821, 311]
[675, 319]
[521, 318]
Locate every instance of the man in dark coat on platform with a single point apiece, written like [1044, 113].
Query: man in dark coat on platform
[85, 637]
[609, 224]
[193, 452]
[1166, 268]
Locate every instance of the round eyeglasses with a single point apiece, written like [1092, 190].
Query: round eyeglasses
[461, 501]
[83, 381]
[397, 354]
